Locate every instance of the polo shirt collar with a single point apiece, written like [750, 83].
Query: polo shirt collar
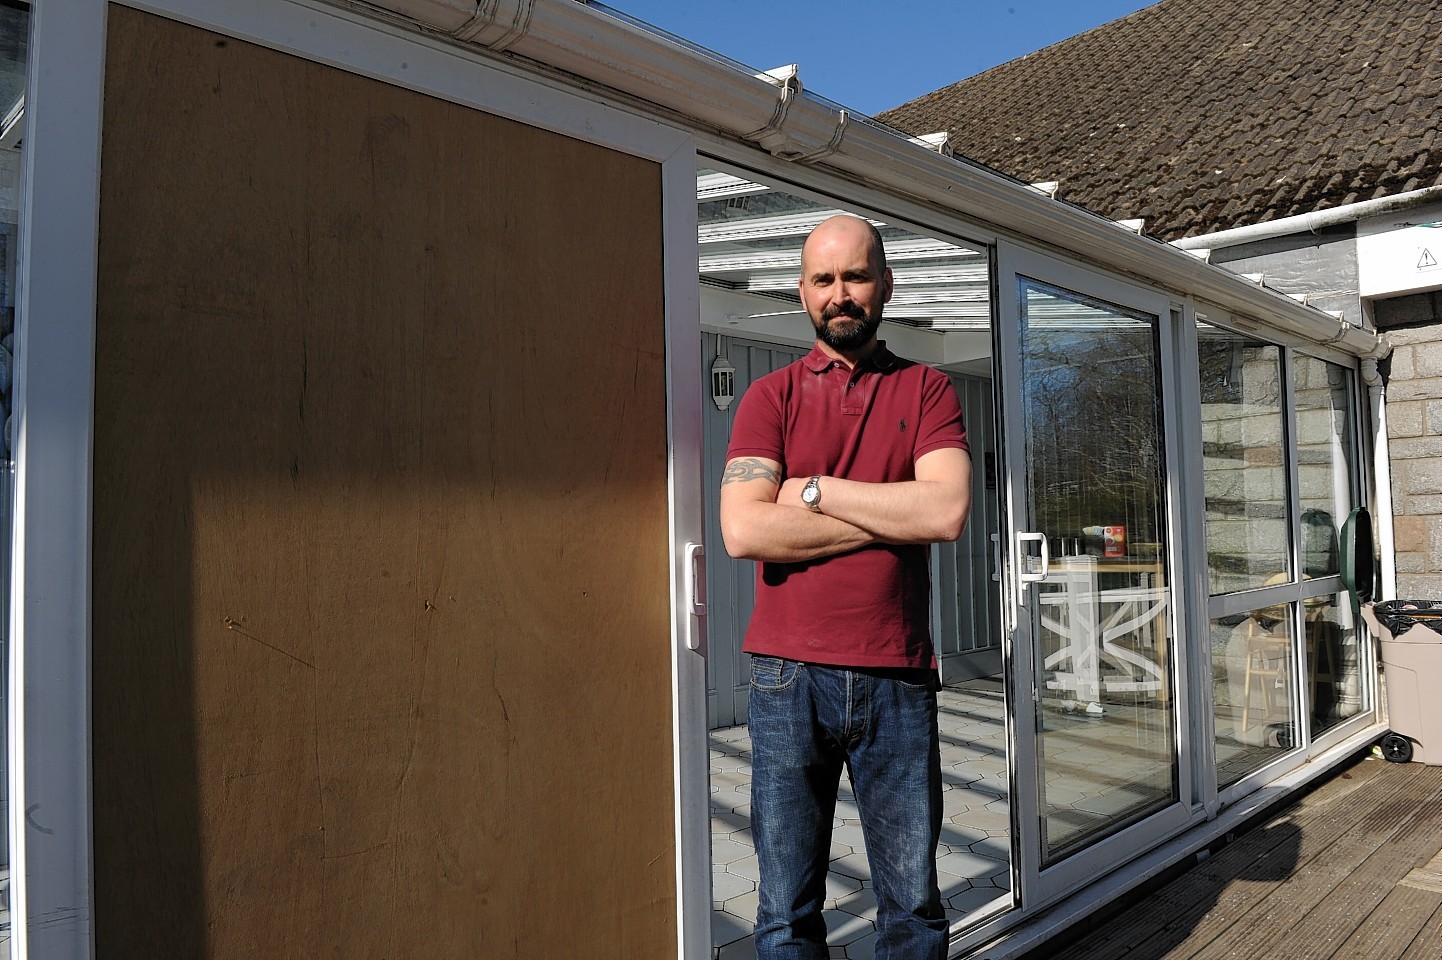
[881, 359]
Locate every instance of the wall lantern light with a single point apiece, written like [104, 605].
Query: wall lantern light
[723, 378]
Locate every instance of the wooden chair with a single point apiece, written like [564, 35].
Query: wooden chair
[1268, 664]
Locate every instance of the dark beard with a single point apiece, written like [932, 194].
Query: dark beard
[853, 336]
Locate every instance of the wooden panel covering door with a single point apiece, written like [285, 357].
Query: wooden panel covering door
[381, 604]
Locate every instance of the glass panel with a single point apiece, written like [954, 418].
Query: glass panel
[750, 236]
[1326, 455]
[1252, 690]
[14, 44]
[1091, 394]
[1335, 658]
[1325, 451]
[1244, 469]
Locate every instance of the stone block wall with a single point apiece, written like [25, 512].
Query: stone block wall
[1245, 473]
[1414, 436]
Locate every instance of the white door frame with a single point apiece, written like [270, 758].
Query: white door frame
[1039, 887]
[52, 888]
[49, 688]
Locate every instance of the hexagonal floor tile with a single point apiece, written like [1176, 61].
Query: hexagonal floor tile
[852, 865]
[740, 950]
[843, 928]
[726, 886]
[726, 928]
[747, 867]
[724, 851]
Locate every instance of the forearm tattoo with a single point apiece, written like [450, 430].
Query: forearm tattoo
[749, 468]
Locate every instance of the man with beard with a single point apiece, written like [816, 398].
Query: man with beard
[843, 468]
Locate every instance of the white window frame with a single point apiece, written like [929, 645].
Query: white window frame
[52, 890]
[1345, 735]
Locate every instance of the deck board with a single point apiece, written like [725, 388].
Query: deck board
[1428, 945]
[1393, 926]
[1378, 880]
[1369, 863]
[1308, 914]
[1350, 871]
[1208, 899]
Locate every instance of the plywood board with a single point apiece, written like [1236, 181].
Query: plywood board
[381, 606]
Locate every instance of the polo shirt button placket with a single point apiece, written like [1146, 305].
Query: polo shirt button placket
[850, 402]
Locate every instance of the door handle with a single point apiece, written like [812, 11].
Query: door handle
[695, 591]
[1024, 576]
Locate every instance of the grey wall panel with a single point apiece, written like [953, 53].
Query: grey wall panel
[1321, 266]
[730, 584]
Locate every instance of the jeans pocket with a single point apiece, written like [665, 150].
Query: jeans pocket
[915, 687]
[773, 673]
[921, 681]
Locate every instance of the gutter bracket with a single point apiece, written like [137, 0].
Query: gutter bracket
[772, 137]
[1342, 329]
[843, 117]
[939, 142]
[486, 18]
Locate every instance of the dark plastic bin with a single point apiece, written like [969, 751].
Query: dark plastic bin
[1399, 616]
[1412, 665]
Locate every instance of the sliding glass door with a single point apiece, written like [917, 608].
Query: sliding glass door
[1091, 585]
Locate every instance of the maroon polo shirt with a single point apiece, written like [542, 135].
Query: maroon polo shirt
[869, 607]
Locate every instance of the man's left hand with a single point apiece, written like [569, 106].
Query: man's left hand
[790, 493]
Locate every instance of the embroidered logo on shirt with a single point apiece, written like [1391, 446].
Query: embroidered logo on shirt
[903, 425]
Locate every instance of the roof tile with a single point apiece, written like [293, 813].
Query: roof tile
[1335, 99]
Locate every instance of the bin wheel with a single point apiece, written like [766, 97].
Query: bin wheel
[1396, 748]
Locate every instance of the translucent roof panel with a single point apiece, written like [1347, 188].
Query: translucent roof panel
[750, 239]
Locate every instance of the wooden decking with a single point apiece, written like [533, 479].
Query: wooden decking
[1350, 871]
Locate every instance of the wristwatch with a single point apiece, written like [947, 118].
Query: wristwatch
[811, 494]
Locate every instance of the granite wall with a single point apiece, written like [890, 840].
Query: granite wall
[1414, 431]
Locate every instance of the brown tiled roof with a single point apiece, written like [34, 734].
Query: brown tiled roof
[1201, 115]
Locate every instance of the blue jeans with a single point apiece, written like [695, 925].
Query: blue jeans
[806, 723]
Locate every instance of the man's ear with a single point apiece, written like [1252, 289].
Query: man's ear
[886, 279]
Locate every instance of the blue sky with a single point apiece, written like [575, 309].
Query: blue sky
[872, 56]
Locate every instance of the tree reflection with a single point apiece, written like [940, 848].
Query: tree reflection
[1093, 394]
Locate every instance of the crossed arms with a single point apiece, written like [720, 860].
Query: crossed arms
[763, 518]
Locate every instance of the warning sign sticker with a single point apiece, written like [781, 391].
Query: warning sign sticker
[1400, 255]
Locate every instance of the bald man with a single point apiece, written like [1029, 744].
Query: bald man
[842, 469]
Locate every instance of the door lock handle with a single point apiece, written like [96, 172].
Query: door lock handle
[1023, 575]
[695, 574]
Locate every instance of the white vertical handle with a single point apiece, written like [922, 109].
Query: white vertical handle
[695, 578]
[1022, 575]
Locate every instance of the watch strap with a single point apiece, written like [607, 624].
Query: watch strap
[811, 494]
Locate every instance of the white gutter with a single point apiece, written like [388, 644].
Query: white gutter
[1311, 222]
[570, 36]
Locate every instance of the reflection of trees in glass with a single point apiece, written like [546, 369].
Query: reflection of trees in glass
[1093, 395]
